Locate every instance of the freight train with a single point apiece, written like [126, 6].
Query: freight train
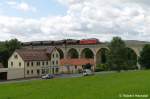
[61, 42]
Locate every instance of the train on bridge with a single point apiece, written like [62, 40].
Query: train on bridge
[61, 42]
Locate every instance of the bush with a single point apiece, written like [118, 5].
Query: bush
[101, 67]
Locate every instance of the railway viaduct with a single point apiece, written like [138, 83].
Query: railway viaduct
[80, 51]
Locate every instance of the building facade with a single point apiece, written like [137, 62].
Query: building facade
[26, 63]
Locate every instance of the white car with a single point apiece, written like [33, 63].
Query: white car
[87, 72]
[48, 76]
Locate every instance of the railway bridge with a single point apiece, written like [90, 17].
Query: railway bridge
[90, 51]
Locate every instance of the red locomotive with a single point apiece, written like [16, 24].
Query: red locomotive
[89, 41]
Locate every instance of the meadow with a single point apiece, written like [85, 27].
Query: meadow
[100, 86]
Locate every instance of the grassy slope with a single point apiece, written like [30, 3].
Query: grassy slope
[103, 86]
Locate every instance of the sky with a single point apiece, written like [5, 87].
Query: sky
[37, 20]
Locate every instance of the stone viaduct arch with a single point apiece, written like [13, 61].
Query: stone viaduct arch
[94, 50]
[61, 52]
[72, 53]
[101, 55]
[87, 53]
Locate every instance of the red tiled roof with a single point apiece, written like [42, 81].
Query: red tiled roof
[76, 61]
[1, 65]
[33, 54]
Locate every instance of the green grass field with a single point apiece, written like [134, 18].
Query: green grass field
[102, 86]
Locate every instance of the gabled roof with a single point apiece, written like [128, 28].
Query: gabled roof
[77, 62]
[35, 54]
[50, 49]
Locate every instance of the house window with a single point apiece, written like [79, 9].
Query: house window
[15, 56]
[47, 63]
[19, 64]
[43, 71]
[53, 55]
[75, 66]
[57, 55]
[57, 70]
[28, 72]
[31, 71]
[12, 64]
[28, 64]
[38, 71]
[56, 62]
[53, 62]
[42, 63]
[37, 63]
[31, 63]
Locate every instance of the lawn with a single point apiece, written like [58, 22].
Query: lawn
[101, 86]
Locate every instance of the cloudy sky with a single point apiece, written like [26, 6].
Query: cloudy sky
[29, 20]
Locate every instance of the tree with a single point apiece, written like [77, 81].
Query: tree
[131, 59]
[104, 54]
[12, 45]
[116, 55]
[3, 54]
[7, 48]
[144, 58]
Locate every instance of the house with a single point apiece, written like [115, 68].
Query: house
[74, 65]
[25, 63]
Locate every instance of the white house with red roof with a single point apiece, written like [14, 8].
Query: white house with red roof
[25, 63]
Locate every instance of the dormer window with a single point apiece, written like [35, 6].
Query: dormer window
[16, 56]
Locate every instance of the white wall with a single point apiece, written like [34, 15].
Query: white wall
[15, 73]
[15, 61]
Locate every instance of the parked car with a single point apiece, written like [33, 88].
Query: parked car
[48, 76]
[87, 72]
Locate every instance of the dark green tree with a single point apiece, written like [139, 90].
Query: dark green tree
[12, 45]
[7, 48]
[131, 59]
[117, 54]
[104, 54]
[3, 54]
[144, 58]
